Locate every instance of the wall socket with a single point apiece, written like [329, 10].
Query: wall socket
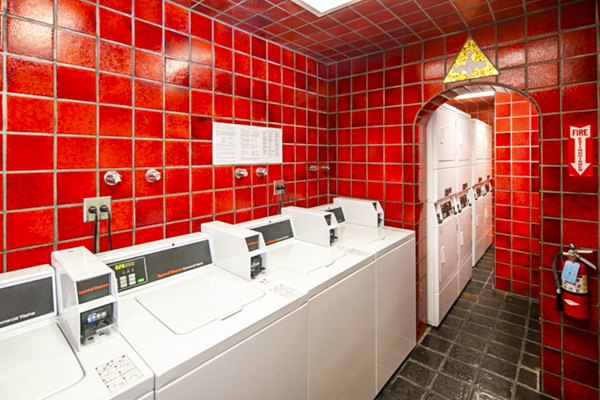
[97, 202]
[278, 188]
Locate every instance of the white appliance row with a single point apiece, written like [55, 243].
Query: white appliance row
[235, 313]
[459, 204]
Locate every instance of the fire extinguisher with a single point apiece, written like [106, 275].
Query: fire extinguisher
[572, 285]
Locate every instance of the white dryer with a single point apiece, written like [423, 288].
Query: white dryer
[205, 332]
[465, 238]
[395, 284]
[341, 305]
[38, 361]
[442, 259]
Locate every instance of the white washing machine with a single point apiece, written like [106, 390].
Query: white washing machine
[465, 239]
[38, 360]
[395, 286]
[341, 308]
[205, 332]
[442, 259]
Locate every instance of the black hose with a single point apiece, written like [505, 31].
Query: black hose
[559, 303]
[107, 210]
[94, 210]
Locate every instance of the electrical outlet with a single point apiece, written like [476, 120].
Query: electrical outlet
[97, 202]
[278, 188]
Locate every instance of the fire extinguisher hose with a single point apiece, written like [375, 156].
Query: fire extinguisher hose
[555, 261]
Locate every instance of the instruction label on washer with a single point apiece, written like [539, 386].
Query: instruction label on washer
[118, 372]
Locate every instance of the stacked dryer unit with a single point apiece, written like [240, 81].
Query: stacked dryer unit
[482, 189]
[442, 220]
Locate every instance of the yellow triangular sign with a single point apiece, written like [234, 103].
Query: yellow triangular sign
[471, 63]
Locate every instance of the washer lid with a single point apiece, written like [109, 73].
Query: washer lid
[303, 257]
[192, 303]
[37, 364]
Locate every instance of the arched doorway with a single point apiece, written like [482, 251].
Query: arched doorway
[516, 177]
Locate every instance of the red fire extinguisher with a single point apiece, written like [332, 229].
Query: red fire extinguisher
[572, 285]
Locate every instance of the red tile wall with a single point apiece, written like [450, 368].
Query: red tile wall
[132, 86]
[551, 56]
[517, 199]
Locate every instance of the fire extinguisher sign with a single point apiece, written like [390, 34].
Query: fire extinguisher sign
[580, 151]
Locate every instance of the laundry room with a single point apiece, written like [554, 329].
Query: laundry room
[391, 199]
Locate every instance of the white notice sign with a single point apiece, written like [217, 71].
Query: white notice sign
[244, 144]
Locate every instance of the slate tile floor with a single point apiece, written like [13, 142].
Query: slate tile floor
[487, 348]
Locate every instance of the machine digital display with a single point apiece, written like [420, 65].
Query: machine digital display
[134, 272]
[130, 273]
[339, 214]
[276, 232]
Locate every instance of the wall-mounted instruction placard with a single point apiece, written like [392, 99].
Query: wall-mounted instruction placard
[244, 144]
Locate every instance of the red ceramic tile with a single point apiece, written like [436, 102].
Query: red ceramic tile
[223, 201]
[201, 102]
[70, 225]
[176, 153]
[581, 370]
[578, 70]
[201, 52]
[29, 39]
[124, 190]
[30, 77]
[176, 18]
[580, 97]
[123, 6]
[177, 180]
[177, 45]
[149, 212]
[149, 10]
[577, 42]
[148, 124]
[242, 41]
[177, 126]
[148, 66]
[20, 259]
[27, 114]
[29, 228]
[76, 118]
[143, 188]
[177, 207]
[202, 178]
[114, 90]
[223, 34]
[148, 37]
[151, 234]
[201, 26]
[29, 190]
[75, 49]
[148, 153]
[577, 15]
[73, 187]
[75, 83]
[177, 72]
[176, 99]
[202, 204]
[39, 10]
[19, 156]
[542, 23]
[115, 27]
[148, 94]
[115, 121]
[75, 152]
[77, 15]
[223, 58]
[201, 153]
[511, 56]
[115, 153]
[201, 77]
[579, 391]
